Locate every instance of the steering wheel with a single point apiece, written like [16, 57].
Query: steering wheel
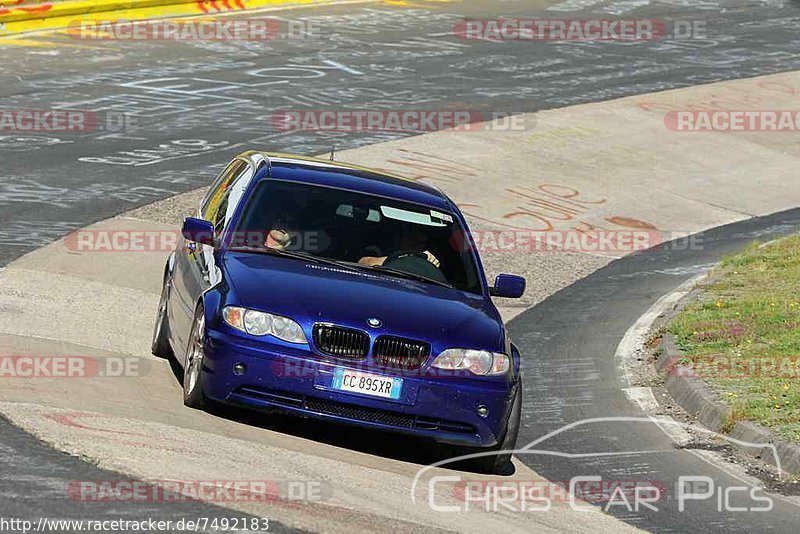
[405, 253]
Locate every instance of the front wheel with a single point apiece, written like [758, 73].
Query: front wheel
[161, 346]
[499, 463]
[193, 395]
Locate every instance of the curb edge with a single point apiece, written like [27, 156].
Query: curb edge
[694, 396]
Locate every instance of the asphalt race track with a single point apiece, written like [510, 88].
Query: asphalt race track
[196, 104]
[569, 342]
[34, 476]
[191, 106]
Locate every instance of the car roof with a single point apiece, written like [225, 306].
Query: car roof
[353, 177]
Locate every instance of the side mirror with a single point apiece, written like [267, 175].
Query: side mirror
[198, 231]
[508, 285]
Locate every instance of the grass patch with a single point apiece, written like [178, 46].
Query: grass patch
[743, 335]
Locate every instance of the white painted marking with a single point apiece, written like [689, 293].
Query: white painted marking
[734, 470]
[627, 356]
[632, 342]
[343, 67]
[646, 400]
[677, 271]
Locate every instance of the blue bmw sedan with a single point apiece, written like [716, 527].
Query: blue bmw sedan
[333, 291]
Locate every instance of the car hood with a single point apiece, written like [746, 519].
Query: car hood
[311, 292]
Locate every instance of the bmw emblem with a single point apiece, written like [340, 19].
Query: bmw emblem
[374, 322]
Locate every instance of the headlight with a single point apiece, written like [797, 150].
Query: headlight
[287, 330]
[257, 323]
[261, 324]
[479, 362]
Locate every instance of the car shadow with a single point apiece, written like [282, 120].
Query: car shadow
[365, 440]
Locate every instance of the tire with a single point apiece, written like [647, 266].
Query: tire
[193, 395]
[161, 347]
[500, 463]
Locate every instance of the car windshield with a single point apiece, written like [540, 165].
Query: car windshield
[362, 231]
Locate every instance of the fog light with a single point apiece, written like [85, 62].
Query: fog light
[482, 410]
[239, 369]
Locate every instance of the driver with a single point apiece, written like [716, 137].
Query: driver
[410, 241]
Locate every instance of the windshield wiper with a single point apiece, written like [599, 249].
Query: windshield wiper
[343, 264]
[406, 274]
[295, 255]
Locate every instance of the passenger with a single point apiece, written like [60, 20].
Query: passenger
[278, 238]
[283, 230]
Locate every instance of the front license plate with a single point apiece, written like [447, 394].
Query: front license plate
[367, 384]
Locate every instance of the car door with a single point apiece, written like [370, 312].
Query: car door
[195, 266]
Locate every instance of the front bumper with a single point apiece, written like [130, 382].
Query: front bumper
[297, 381]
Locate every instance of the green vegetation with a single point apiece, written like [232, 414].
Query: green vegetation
[743, 335]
